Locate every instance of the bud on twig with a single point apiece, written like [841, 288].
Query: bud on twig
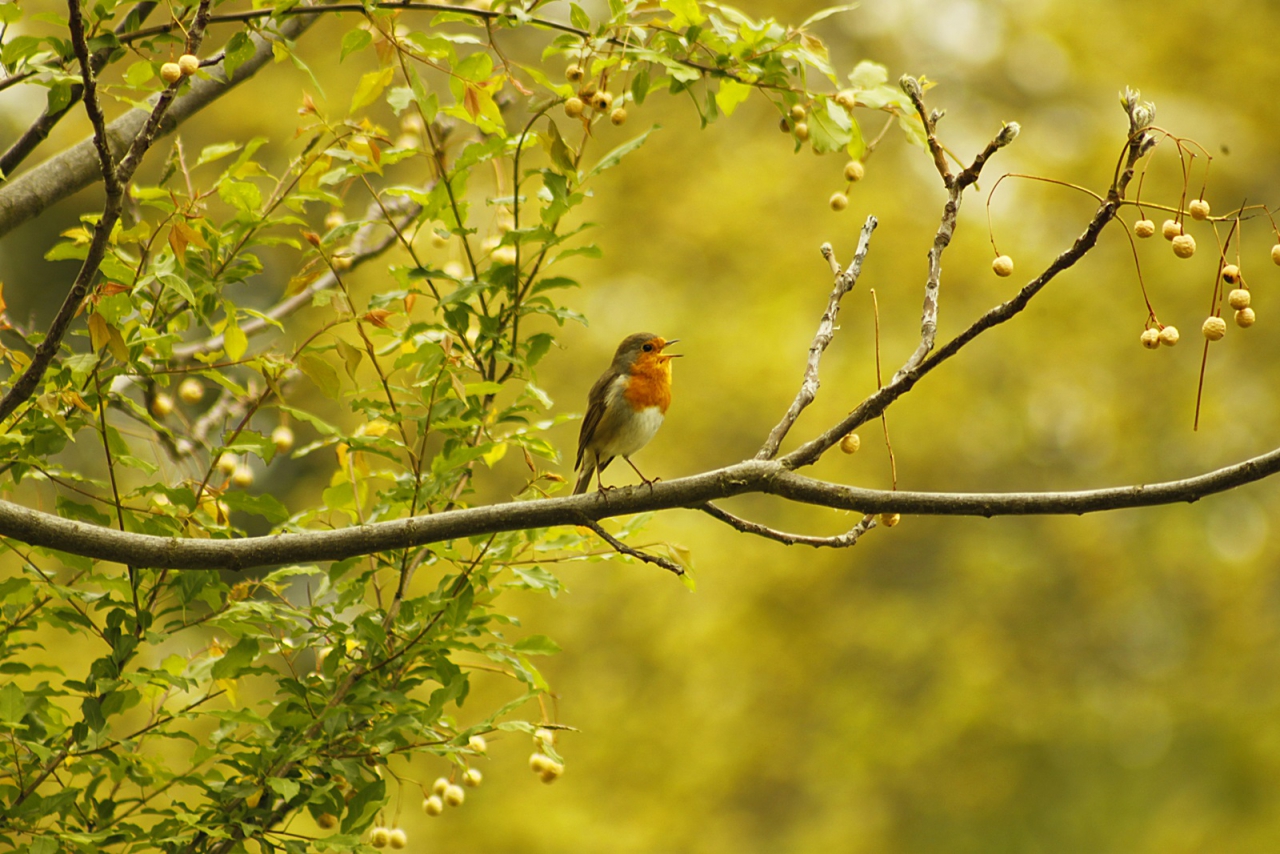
[1008, 134]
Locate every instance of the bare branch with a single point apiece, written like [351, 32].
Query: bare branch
[822, 339]
[75, 22]
[622, 548]
[746, 526]
[47, 530]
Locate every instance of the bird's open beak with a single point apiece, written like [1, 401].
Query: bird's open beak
[668, 344]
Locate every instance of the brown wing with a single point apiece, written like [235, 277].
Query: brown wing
[595, 411]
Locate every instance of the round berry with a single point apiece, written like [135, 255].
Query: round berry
[838, 201]
[170, 72]
[1169, 336]
[847, 99]
[379, 837]
[797, 113]
[227, 464]
[282, 438]
[802, 131]
[333, 219]
[1198, 208]
[1184, 246]
[1245, 318]
[161, 405]
[854, 170]
[851, 443]
[573, 107]
[327, 821]
[188, 64]
[1150, 338]
[618, 116]
[440, 785]
[1275, 253]
[478, 744]
[454, 796]
[1144, 228]
[472, 777]
[1239, 298]
[551, 773]
[1214, 328]
[542, 735]
[398, 838]
[602, 100]
[432, 805]
[574, 74]
[191, 390]
[539, 762]
[1003, 266]
[1171, 229]
[1231, 274]
[242, 476]
[890, 519]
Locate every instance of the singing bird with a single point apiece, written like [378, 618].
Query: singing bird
[625, 407]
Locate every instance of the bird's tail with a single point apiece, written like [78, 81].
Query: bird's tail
[584, 478]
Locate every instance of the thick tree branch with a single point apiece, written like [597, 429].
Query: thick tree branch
[822, 339]
[753, 476]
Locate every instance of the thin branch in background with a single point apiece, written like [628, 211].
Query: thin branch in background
[746, 526]
[884, 416]
[822, 338]
[622, 548]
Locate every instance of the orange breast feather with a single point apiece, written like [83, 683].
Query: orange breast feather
[650, 386]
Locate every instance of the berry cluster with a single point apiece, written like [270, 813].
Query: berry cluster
[595, 94]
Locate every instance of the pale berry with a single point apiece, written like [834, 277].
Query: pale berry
[472, 777]
[432, 805]
[379, 837]
[1169, 336]
[802, 131]
[854, 170]
[1150, 338]
[454, 796]
[1275, 253]
[1184, 246]
[478, 744]
[1245, 318]
[797, 113]
[188, 64]
[398, 838]
[161, 405]
[1003, 266]
[1144, 228]
[1214, 328]
[1231, 274]
[838, 201]
[170, 72]
[573, 73]
[191, 390]
[851, 443]
[282, 438]
[1198, 208]
[1239, 298]
[1171, 229]
[618, 116]
[890, 519]
[573, 107]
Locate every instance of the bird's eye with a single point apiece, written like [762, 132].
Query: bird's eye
[648, 348]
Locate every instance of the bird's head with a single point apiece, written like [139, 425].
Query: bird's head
[643, 350]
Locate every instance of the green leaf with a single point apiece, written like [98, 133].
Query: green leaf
[265, 505]
[686, 13]
[13, 703]
[830, 128]
[537, 645]
[613, 158]
[731, 94]
[364, 806]
[239, 50]
[353, 41]
[236, 660]
[823, 14]
[371, 86]
[321, 373]
[234, 339]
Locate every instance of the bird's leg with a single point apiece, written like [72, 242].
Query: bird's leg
[649, 482]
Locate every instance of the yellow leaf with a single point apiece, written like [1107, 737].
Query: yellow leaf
[370, 87]
[98, 334]
[115, 343]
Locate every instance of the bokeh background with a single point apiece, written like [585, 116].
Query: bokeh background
[1109, 683]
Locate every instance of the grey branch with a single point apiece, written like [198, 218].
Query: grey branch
[746, 526]
[822, 339]
[622, 548]
[753, 476]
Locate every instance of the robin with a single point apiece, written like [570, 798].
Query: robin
[625, 407]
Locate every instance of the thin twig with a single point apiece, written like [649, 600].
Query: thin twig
[746, 526]
[622, 548]
[822, 339]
